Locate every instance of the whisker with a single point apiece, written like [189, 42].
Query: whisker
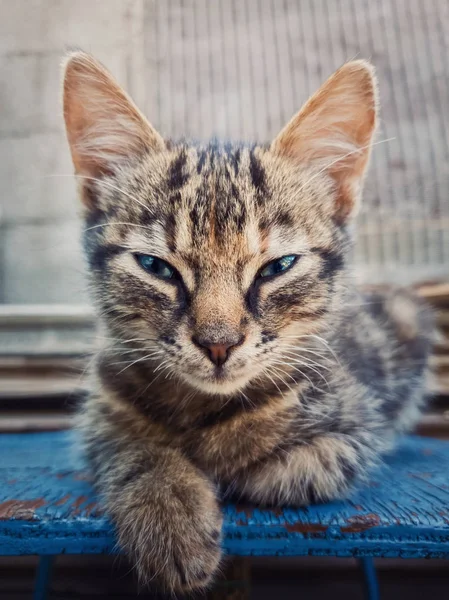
[128, 351]
[278, 370]
[162, 364]
[272, 380]
[340, 158]
[130, 362]
[308, 350]
[250, 402]
[298, 370]
[318, 339]
[308, 366]
[277, 362]
[113, 339]
[116, 223]
[134, 363]
[293, 356]
[151, 382]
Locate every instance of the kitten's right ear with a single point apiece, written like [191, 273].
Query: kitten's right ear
[104, 127]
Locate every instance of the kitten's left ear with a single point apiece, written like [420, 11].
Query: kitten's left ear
[333, 132]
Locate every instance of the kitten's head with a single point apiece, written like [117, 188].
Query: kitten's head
[218, 260]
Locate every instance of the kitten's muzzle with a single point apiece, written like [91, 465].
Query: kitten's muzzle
[218, 353]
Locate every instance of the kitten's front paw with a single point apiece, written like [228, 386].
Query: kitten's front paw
[174, 539]
[194, 556]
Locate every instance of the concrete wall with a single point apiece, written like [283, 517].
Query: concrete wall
[40, 258]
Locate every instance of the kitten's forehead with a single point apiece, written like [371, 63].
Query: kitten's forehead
[220, 200]
[223, 203]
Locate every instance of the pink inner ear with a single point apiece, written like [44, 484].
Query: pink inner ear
[334, 130]
[104, 127]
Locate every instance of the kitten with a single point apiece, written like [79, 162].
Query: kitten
[237, 358]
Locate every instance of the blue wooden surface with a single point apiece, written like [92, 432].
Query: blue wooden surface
[47, 507]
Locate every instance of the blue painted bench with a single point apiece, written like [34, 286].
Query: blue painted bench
[47, 507]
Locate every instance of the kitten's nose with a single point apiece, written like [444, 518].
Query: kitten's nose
[218, 353]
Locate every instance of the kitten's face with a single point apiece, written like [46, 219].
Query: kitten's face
[218, 262]
[220, 220]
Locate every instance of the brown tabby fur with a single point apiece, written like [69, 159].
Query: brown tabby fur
[319, 378]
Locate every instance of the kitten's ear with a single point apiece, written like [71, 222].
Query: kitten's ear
[333, 131]
[104, 127]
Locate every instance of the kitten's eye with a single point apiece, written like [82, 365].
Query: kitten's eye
[156, 266]
[278, 266]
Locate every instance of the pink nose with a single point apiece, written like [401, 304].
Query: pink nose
[218, 353]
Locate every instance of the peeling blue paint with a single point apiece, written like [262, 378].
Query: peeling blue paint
[47, 507]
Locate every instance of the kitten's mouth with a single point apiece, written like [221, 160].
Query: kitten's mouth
[219, 374]
[219, 381]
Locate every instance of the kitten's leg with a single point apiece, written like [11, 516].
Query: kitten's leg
[321, 469]
[165, 510]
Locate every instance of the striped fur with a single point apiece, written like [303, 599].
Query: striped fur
[324, 376]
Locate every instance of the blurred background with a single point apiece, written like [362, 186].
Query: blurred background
[236, 69]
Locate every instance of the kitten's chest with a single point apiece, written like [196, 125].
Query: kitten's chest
[226, 447]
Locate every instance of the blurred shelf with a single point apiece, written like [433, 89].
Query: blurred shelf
[46, 330]
[38, 420]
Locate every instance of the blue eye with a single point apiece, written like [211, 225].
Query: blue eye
[156, 266]
[278, 266]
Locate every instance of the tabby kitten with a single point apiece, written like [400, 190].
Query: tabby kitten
[237, 359]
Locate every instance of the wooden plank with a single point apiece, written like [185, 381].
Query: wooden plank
[52, 330]
[439, 362]
[436, 293]
[32, 421]
[47, 507]
[43, 376]
[45, 314]
[29, 387]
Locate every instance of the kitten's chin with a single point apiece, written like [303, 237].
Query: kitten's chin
[223, 387]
